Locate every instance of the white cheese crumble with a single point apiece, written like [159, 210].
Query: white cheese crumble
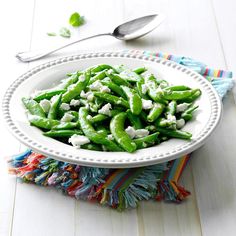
[147, 104]
[82, 78]
[67, 117]
[74, 102]
[139, 133]
[130, 131]
[144, 88]
[105, 110]
[182, 107]
[110, 137]
[78, 140]
[89, 95]
[180, 123]
[171, 118]
[89, 117]
[72, 86]
[45, 104]
[65, 107]
[97, 85]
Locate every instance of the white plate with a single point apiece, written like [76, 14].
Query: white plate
[48, 74]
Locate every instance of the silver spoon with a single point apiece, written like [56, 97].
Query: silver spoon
[130, 30]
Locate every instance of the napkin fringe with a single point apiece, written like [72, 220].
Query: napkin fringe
[117, 188]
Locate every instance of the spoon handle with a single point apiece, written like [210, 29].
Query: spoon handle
[32, 56]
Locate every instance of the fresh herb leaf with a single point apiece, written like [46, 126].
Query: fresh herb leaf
[64, 32]
[76, 20]
[51, 34]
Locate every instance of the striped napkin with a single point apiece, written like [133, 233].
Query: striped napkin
[118, 188]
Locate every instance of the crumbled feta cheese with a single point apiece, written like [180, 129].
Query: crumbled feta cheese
[180, 123]
[182, 107]
[130, 131]
[110, 137]
[45, 104]
[139, 133]
[72, 86]
[147, 104]
[82, 78]
[89, 95]
[65, 107]
[171, 118]
[89, 117]
[74, 102]
[78, 140]
[67, 117]
[105, 89]
[97, 85]
[53, 99]
[106, 110]
[87, 106]
[144, 88]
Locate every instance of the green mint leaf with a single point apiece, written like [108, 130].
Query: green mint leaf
[51, 34]
[76, 20]
[64, 32]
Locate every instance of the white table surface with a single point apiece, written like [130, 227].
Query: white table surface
[202, 29]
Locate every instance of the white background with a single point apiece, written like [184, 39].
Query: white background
[202, 29]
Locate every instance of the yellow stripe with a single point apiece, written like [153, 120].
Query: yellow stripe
[178, 169]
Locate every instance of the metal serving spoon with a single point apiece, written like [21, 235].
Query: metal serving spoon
[130, 30]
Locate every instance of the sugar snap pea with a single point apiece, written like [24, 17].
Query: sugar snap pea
[135, 102]
[77, 88]
[134, 120]
[62, 133]
[188, 114]
[99, 76]
[42, 122]
[174, 133]
[140, 70]
[119, 134]
[115, 88]
[66, 125]
[117, 79]
[155, 112]
[91, 133]
[33, 107]
[53, 111]
[112, 99]
[48, 94]
[146, 141]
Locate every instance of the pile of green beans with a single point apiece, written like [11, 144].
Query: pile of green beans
[114, 108]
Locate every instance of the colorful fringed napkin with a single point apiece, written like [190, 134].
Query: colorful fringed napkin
[117, 188]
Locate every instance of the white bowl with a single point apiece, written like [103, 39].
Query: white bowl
[47, 75]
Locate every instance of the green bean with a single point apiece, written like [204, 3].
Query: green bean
[101, 67]
[114, 88]
[177, 95]
[66, 126]
[42, 122]
[76, 90]
[33, 107]
[98, 118]
[112, 99]
[149, 140]
[90, 132]
[130, 76]
[174, 133]
[69, 81]
[48, 94]
[119, 134]
[140, 70]
[193, 97]
[178, 88]
[134, 120]
[155, 112]
[187, 115]
[53, 111]
[117, 79]
[135, 102]
[99, 76]
[62, 133]
[171, 108]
